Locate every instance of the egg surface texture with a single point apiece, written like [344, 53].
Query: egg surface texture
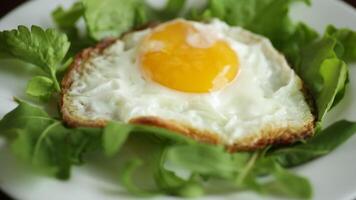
[212, 78]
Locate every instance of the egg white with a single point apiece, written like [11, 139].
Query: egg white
[266, 92]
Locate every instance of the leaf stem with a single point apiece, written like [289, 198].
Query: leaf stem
[247, 169]
[55, 81]
[41, 138]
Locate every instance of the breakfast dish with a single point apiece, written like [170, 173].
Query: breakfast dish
[211, 98]
[214, 83]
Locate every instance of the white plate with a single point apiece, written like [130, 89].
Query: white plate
[333, 176]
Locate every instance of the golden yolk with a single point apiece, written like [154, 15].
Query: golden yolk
[167, 57]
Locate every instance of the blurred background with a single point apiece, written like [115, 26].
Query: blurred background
[7, 5]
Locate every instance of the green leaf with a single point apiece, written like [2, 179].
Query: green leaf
[323, 72]
[114, 136]
[169, 183]
[66, 19]
[116, 133]
[41, 87]
[43, 48]
[286, 184]
[262, 174]
[44, 142]
[269, 18]
[164, 135]
[202, 159]
[246, 175]
[111, 18]
[321, 144]
[172, 9]
[347, 38]
[292, 47]
[127, 179]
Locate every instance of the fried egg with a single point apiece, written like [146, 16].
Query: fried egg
[209, 81]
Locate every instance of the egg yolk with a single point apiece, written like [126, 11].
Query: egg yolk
[180, 57]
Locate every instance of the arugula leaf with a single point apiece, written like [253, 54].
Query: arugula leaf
[45, 142]
[111, 18]
[287, 184]
[347, 38]
[116, 133]
[264, 175]
[114, 136]
[169, 183]
[323, 72]
[202, 159]
[43, 48]
[40, 86]
[320, 145]
[127, 179]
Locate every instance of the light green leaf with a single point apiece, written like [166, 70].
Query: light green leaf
[114, 136]
[66, 19]
[287, 184]
[202, 159]
[324, 74]
[111, 18]
[41, 87]
[127, 179]
[43, 48]
[168, 182]
[347, 38]
[275, 181]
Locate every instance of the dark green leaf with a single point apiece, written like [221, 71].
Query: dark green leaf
[45, 142]
[320, 145]
[172, 9]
